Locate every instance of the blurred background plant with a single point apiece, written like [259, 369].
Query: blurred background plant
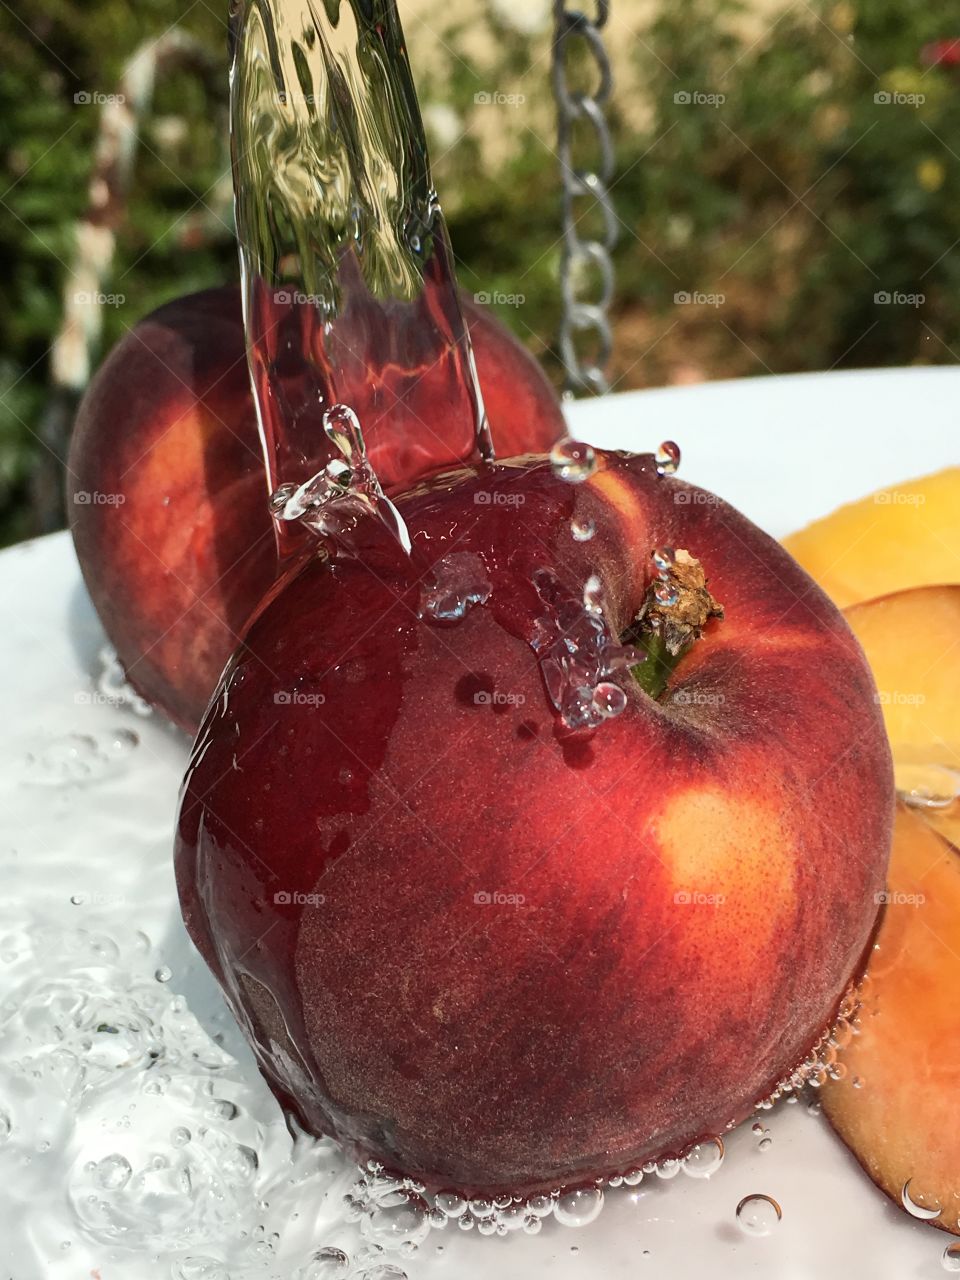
[788, 179]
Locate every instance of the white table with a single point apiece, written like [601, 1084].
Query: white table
[88, 815]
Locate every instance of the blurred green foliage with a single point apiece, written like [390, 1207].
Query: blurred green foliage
[798, 198]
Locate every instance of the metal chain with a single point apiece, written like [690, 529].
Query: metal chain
[581, 258]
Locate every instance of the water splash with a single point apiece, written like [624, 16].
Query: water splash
[579, 657]
[79, 759]
[453, 586]
[332, 501]
[344, 251]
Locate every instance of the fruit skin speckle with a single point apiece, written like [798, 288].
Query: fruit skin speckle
[509, 960]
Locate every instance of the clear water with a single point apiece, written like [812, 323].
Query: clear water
[344, 250]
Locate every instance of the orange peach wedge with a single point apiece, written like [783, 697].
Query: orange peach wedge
[906, 536]
[912, 642]
[898, 1104]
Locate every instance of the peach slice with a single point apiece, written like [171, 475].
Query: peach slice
[897, 1105]
[906, 536]
[912, 642]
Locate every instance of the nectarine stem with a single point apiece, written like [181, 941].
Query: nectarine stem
[676, 608]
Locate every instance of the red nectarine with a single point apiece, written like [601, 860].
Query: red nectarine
[496, 952]
[166, 485]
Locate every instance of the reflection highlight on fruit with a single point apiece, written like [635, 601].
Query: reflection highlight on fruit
[490, 912]
[166, 493]
[893, 539]
[896, 1106]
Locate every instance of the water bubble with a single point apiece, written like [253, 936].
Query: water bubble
[163, 974]
[480, 1207]
[667, 458]
[326, 1264]
[381, 1271]
[704, 1159]
[577, 1208]
[450, 1204]
[950, 1259]
[180, 1136]
[223, 1109]
[113, 1172]
[666, 594]
[765, 1143]
[912, 1206]
[927, 786]
[609, 699]
[758, 1215]
[540, 1206]
[573, 461]
[532, 1226]
[583, 529]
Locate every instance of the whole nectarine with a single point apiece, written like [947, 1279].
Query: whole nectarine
[166, 488]
[499, 945]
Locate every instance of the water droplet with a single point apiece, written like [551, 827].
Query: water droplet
[950, 1259]
[577, 1208]
[583, 529]
[667, 458]
[927, 786]
[573, 461]
[453, 586]
[326, 1264]
[450, 1204]
[666, 594]
[912, 1206]
[609, 699]
[664, 558]
[163, 974]
[704, 1159]
[113, 1172]
[758, 1215]
[381, 1271]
